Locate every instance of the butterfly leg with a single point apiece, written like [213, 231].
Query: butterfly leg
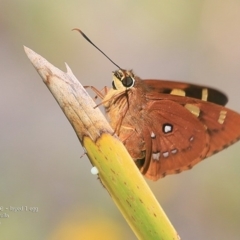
[101, 94]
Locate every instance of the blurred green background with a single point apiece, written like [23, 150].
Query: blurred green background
[40, 165]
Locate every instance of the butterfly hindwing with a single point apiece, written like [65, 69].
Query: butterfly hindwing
[178, 139]
[223, 125]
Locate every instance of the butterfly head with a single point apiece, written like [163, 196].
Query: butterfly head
[123, 79]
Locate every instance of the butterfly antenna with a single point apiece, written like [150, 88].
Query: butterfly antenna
[96, 46]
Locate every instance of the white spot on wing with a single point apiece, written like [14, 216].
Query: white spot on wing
[167, 128]
[191, 138]
[156, 156]
[174, 151]
[153, 135]
[166, 154]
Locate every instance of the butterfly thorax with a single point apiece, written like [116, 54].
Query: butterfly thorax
[125, 107]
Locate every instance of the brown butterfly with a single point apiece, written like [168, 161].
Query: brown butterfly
[168, 127]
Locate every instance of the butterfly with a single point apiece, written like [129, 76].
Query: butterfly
[166, 126]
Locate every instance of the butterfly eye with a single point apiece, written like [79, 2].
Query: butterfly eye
[128, 81]
[123, 79]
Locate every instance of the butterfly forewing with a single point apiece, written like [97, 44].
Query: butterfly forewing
[189, 90]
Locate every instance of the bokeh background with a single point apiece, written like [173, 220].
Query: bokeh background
[40, 165]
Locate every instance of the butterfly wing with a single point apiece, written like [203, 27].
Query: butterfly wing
[175, 142]
[223, 125]
[220, 124]
[188, 90]
[168, 127]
